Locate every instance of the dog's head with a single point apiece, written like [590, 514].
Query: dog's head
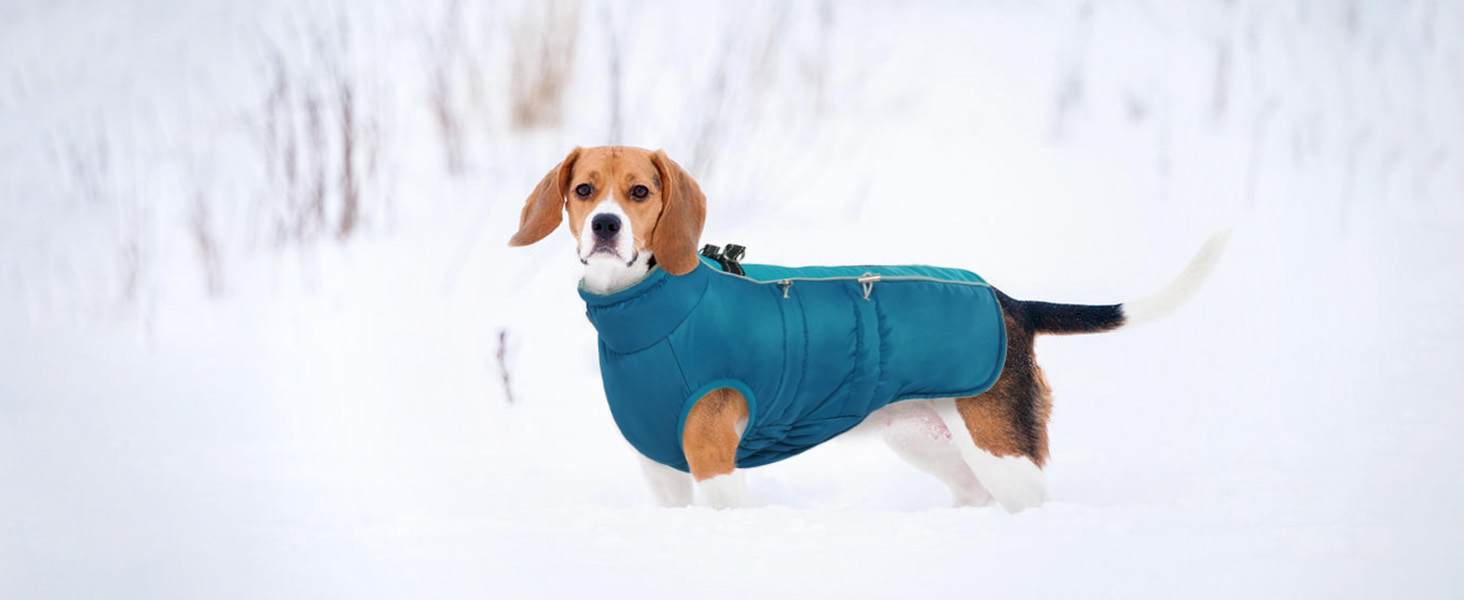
[625, 205]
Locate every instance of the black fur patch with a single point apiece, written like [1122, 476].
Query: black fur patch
[1050, 317]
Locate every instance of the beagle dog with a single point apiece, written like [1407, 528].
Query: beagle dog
[632, 211]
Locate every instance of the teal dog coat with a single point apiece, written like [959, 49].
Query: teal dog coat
[814, 350]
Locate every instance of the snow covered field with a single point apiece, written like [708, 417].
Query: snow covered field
[216, 384]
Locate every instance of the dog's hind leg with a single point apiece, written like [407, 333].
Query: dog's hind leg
[1014, 479]
[671, 488]
[916, 433]
[709, 438]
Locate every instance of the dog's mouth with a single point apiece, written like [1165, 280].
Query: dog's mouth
[606, 251]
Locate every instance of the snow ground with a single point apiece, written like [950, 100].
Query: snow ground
[332, 424]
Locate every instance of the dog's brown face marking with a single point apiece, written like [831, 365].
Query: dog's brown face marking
[664, 206]
[616, 172]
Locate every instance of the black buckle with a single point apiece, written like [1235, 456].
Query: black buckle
[728, 258]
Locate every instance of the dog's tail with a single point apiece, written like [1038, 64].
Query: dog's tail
[1049, 317]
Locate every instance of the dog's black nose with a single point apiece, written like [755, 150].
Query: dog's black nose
[605, 226]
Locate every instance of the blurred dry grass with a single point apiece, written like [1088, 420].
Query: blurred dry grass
[334, 105]
[319, 141]
[456, 89]
[543, 39]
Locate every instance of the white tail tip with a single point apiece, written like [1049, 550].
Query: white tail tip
[1164, 301]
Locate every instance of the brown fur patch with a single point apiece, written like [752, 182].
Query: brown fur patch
[1010, 419]
[679, 228]
[544, 208]
[709, 437]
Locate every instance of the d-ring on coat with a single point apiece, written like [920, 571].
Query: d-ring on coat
[814, 350]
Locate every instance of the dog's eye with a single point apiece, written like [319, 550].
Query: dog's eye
[639, 192]
[584, 190]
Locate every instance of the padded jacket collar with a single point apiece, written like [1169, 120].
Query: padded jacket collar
[636, 317]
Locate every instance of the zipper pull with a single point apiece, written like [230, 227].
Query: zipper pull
[786, 284]
[867, 282]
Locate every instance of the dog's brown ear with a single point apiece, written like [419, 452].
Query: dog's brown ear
[545, 207]
[683, 212]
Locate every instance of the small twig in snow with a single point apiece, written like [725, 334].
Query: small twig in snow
[503, 371]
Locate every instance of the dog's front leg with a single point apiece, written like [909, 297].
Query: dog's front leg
[671, 487]
[709, 439]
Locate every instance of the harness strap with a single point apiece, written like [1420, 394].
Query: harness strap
[729, 258]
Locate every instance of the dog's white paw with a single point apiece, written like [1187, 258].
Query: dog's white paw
[671, 488]
[725, 491]
[971, 496]
[1014, 481]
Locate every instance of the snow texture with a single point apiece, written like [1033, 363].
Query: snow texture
[260, 336]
